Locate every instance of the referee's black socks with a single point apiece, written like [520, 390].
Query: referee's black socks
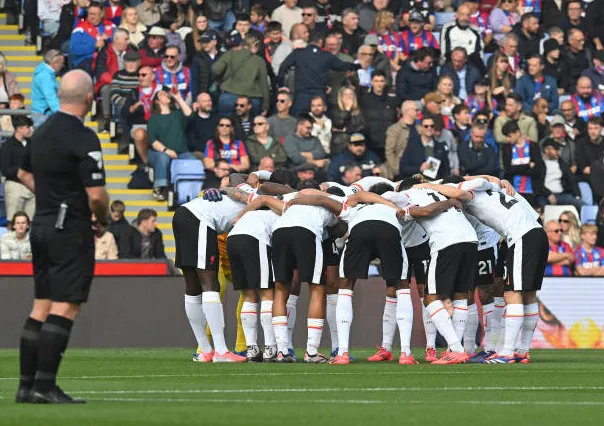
[54, 337]
[28, 351]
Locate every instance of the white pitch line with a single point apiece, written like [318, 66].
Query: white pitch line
[313, 390]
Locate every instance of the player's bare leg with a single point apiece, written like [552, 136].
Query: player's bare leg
[404, 319]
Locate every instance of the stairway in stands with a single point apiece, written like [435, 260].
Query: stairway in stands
[22, 60]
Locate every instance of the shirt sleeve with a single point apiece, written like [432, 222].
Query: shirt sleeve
[476, 185]
[90, 160]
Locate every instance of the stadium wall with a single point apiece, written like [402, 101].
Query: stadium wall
[148, 312]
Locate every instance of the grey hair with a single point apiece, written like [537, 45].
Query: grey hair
[51, 56]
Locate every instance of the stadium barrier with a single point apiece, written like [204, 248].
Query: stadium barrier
[148, 312]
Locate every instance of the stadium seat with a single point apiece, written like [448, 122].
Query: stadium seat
[186, 178]
[586, 193]
[589, 214]
[554, 212]
[441, 18]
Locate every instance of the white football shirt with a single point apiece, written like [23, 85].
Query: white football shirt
[487, 236]
[365, 212]
[367, 182]
[257, 223]
[313, 218]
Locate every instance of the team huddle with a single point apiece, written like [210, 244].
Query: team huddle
[454, 236]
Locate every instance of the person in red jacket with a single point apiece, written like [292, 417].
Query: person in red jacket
[153, 48]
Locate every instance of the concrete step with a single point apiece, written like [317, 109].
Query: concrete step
[18, 49]
[142, 195]
[108, 148]
[162, 216]
[150, 204]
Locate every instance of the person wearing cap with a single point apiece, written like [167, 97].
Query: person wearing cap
[424, 8]
[153, 48]
[306, 172]
[535, 85]
[417, 77]
[559, 183]
[503, 17]
[124, 81]
[415, 36]
[356, 154]
[596, 73]
[461, 33]
[463, 72]
[567, 146]
[16, 195]
[556, 66]
[288, 14]
[201, 69]
[475, 156]
[149, 12]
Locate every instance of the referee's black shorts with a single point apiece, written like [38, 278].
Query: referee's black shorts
[63, 260]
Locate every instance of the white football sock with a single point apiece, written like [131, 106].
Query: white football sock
[280, 329]
[197, 320]
[442, 322]
[249, 322]
[404, 319]
[529, 323]
[330, 316]
[212, 309]
[514, 317]
[487, 314]
[389, 323]
[291, 305]
[344, 317]
[460, 317]
[315, 329]
[266, 320]
[469, 337]
[497, 326]
[429, 327]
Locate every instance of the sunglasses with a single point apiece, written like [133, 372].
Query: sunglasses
[170, 56]
[428, 126]
[557, 231]
[308, 14]
[241, 105]
[563, 221]
[143, 74]
[281, 101]
[224, 125]
[259, 124]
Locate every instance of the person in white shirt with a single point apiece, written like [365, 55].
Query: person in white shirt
[287, 14]
[15, 244]
[321, 128]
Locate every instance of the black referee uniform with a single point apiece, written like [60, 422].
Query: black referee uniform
[64, 157]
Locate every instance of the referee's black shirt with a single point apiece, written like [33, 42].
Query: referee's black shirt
[64, 157]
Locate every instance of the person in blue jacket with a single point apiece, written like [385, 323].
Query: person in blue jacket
[356, 154]
[45, 88]
[535, 85]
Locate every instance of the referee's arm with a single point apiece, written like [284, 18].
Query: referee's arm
[92, 174]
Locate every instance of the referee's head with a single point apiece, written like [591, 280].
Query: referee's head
[76, 93]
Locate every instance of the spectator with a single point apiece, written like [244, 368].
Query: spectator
[153, 48]
[321, 128]
[337, 79]
[425, 9]
[464, 74]
[513, 111]
[298, 37]
[301, 147]
[17, 197]
[596, 73]
[242, 118]
[171, 22]
[136, 30]
[368, 11]
[559, 185]
[379, 61]
[590, 148]
[274, 33]
[113, 12]
[460, 33]
[120, 228]
[45, 88]
[357, 154]
[571, 228]
[561, 259]
[573, 19]
[312, 66]
[201, 73]
[568, 150]
[556, 67]
[576, 55]
[225, 145]
[220, 14]
[509, 47]
[49, 13]
[481, 98]
[16, 101]
[379, 111]
[462, 122]
[287, 14]
[72, 14]
[415, 36]
[309, 18]
[105, 247]
[552, 13]
[448, 98]
[193, 42]
[540, 113]
[365, 60]
[167, 139]
[389, 42]
[432, 102]
[417, 77]
[352, 34]
[535, 85]
[502, 81]
[347, 119]
[589, 258]
[147, 243]
[306, 171]
[149, 13]
[15, 245]
[89, 36]
[352, 173]
[588, 103]
[124, 81]
[595, 19]
[575, 128]
[215, 176]
[444, 135]
[261, 145]
[529, 39]
[200, 128]
[475, 156]
[503, 18]
[522, 162]
[258, 18]
[282, 124]
[420, 148]
[397, 139]
[8, 82]
[242, 72]
[172, 75]
[268, 164]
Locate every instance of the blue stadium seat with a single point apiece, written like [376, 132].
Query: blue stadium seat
[586, 193]
[186, 177]
[441, 18]
[589, 214]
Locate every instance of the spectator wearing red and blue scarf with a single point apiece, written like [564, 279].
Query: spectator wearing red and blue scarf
[172, 74]
[588, 102]
[561, 259]
[588, 257]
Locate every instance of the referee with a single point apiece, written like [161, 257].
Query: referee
[63, 166]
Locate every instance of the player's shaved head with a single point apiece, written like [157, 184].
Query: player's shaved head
[76, 88]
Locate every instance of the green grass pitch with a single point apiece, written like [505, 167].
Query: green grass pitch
[163, 387]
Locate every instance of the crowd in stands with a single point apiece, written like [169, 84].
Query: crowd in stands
[335, 90]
